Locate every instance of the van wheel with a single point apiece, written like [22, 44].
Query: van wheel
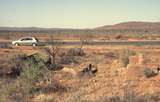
[16, 44]
[34, 45]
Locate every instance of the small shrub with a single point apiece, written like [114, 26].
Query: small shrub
[52, 53]
[76, 52]
[53, 66]
[68, 59]
[118, 37]
[32, 70]
[124, 57]
[17, 64]
[7, 90]
[149, 73]
[71, 56]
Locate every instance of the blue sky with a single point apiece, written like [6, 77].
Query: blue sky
[76, 13]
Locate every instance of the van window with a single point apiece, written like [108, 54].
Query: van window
[26, 39]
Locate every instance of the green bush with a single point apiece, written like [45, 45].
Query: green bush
[124, 57]
[76, 52]
[6, 90]
[70, 56]
[68, 59]
[33, 77]
[32, 71]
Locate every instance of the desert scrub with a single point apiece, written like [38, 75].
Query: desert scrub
[32, 71]
[76, 52]
[70, 56]
[6, 90]
[124, 57]
[32, 77]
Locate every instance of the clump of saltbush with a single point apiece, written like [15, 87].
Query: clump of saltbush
[32, 71]
[71, 56]
[76, 52]
[124, 57]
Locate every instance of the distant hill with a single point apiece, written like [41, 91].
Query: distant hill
[131, 26]
[29, 29]
[120, 26]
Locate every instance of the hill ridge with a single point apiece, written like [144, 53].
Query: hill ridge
[132, 25]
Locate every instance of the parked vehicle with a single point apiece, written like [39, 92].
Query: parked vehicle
[32, 41]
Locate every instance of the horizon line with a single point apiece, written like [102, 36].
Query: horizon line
[41, 27]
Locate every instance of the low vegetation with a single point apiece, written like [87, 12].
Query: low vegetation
[32, 76]
[124, 57]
